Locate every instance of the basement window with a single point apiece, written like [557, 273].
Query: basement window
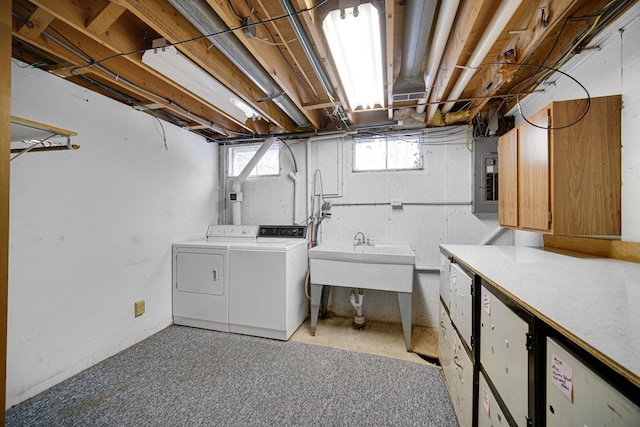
[392, 152]
[240, 155]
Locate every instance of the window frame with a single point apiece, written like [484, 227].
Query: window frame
[388, 138]
[231, 149]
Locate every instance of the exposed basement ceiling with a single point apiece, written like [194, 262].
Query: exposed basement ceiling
[271, 54]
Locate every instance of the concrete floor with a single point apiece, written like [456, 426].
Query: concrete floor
[379, 338]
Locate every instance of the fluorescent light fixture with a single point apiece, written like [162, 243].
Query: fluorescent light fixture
[174, 65]
[353, 36]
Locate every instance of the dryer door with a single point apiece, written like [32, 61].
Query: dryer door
[200, 273]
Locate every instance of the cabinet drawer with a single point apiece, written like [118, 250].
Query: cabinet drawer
[489, 412]
[578, 396]
[504, 354]
[457, 369]
[460, 305]
[445, 285]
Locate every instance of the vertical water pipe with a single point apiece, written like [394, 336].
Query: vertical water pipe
[237, 183]
[446, 16]
[499, 21]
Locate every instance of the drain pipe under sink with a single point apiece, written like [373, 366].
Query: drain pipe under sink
[357, 298]
[237, 183]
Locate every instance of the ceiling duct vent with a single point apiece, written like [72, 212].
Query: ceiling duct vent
[418, 17]
[414, 96]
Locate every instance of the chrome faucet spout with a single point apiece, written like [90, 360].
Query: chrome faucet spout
[358, 239]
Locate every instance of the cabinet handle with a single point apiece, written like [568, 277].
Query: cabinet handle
[214, 275]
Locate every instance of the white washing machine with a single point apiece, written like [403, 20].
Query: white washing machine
[243, 279]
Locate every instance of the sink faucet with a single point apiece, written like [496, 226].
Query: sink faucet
[357, 241]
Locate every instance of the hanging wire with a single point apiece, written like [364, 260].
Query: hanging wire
[201, 37]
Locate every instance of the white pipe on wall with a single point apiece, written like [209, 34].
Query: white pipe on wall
[237, 183]
[446, 16]
[499, 21]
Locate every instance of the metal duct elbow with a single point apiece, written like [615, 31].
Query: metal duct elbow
[418, 21]
[200, 14]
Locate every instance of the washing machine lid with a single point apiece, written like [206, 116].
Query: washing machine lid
[204, 243]
[232, 232]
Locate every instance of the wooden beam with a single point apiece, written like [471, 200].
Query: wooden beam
[5, 147]
[105, 18]
[129, 68]
[36, 23]
[173, 98]
[171, 25]
[269, 57]
[570, 32]
[524, 34]
[466, 30]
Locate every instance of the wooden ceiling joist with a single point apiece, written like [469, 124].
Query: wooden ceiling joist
[36, 23]
[179, 102]
[172, 26]
[269, 57]
[467, 29]
[100, 23]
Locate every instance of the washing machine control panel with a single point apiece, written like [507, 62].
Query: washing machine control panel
[234, 231]
[283, 231]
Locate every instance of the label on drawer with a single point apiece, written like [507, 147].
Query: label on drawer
[485, 401]
[562, 377]
[486, 302]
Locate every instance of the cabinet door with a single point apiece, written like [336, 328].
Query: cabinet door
[457, 369]
[508, 179]
[489, 412]
[504, 354]
[579, 397]
[534, 202]
[445, 284]
[461, 302]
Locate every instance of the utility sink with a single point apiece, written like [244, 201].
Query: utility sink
[379, 254]
[382, 267]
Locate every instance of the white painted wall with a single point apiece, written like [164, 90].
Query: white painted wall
[446, 178]
[614, 68]
[91, 230]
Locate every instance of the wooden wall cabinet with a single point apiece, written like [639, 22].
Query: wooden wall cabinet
[562, 176]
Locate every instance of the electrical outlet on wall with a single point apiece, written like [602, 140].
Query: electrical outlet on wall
[138, 308]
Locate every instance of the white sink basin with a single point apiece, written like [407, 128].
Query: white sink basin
[379, 254]
[383, 266]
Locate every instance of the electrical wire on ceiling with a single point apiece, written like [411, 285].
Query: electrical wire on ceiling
[201, 37]
[552, 70]
[295, 164]
[601, 19]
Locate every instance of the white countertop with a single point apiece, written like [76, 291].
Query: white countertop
[595, 302]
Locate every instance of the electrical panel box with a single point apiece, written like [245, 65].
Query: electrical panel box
[485, 177]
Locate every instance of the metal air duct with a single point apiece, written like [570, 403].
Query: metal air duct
[200, 14]
[418, 20]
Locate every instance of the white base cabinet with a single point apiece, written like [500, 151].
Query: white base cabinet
[457, 368]
[576, 396]
[504, 354]
[522, 368]
[489, 412]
